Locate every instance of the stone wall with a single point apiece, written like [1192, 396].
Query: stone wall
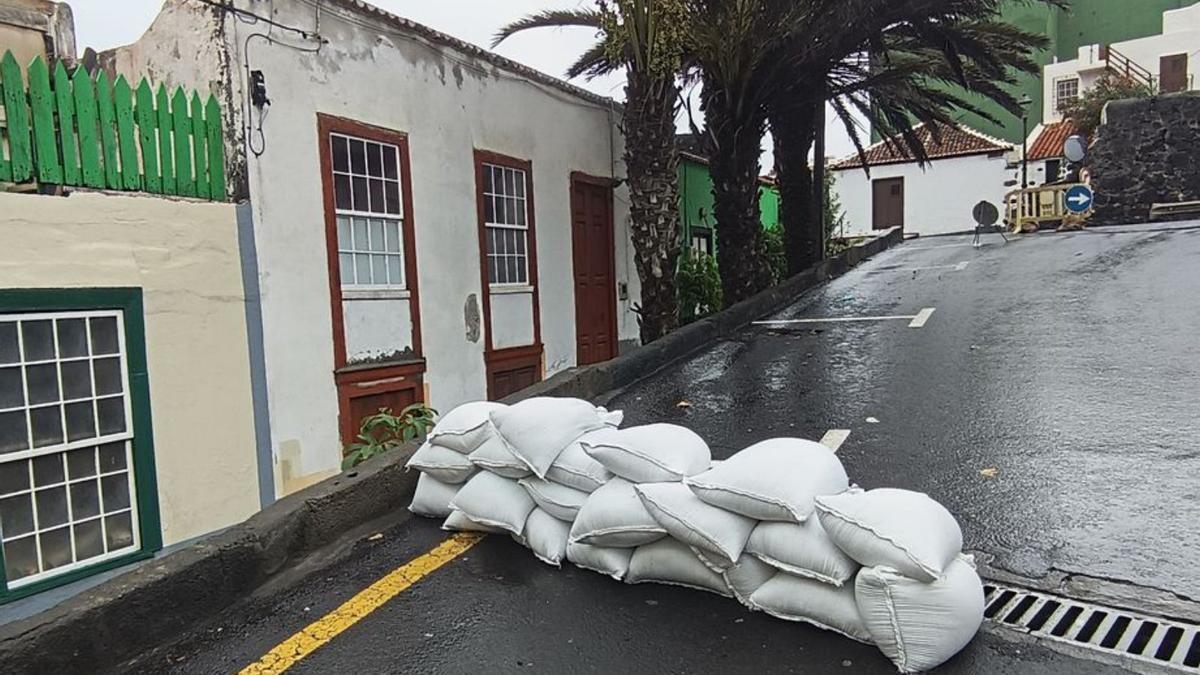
[1145, 153]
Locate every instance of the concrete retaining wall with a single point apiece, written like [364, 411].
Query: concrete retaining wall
[1145, 153]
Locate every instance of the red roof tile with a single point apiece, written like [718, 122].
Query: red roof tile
[956, 141]
[1049, 143]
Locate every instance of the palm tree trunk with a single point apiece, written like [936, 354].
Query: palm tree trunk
[651, 166]
[734, 165]
[793, 130]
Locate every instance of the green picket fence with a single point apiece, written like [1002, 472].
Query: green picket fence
[84, 131]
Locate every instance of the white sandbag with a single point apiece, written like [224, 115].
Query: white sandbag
[607, 560]
[546, 536]
[773, 480]
[681, 513]
[538, 429]
[432, 497]
[575, 468]
[668, 561]
[615, 516]
[711, 560]
[651, 453]
[746, 576]
[794, 598]
[442, 463]
[493, 455]
[905, 530]
[560, 501]
[802, 549]
[458, 521]
[495, 501]
[920, 625]
[466, 427]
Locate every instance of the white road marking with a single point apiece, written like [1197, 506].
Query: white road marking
[921, 317]
[915, 320]
[834, 438]
[930, 248]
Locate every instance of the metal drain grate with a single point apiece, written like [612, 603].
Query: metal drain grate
[1173, 644]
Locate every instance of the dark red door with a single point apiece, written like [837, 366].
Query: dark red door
[887, 203]
[595, 285]
[1172, 73]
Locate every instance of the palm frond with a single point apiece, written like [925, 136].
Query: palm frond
[550, 18]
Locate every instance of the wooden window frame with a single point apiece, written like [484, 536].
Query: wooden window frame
[144, 473]
[523, 356]
[355, 380]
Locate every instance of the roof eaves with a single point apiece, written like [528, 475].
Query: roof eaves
[409, 26]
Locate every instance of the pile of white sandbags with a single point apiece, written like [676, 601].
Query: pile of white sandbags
[776, 526]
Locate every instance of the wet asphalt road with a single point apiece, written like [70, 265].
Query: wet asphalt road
[1066, 362]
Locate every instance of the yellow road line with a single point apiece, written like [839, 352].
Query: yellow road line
[321, 631]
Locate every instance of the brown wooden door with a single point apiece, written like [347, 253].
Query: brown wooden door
[1172, 73]
[595, 285]
[887, 203]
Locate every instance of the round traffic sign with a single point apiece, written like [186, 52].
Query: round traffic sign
[1078, 198]
[1074, 148]
[985, 213]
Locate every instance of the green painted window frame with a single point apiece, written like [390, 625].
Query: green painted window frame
[129, 301]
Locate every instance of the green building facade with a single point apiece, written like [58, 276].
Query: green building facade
[696, 204]
[1087, 22]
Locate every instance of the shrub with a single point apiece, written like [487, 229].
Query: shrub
[699, 285]
[384, 431]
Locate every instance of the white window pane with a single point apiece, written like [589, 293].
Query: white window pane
[343, 228]
[520, 204]
[361, 242]
[509, 178]
[393, 236]
[520, 186]
[346, 263]
[489, 209]
[395, 271]
[362, 266]
[511, 263]
[377, 236]
[493, 276]
[379, 269]
[521, 239]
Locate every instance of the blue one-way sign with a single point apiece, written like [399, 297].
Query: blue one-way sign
[1078, 198]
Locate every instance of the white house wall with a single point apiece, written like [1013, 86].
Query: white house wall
[448, 104]
[1181, 35]
[376, 328]
[512, 319]
[937, 200]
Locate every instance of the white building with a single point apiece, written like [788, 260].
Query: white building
[965, 166]
[431, 222]
[1167, 62]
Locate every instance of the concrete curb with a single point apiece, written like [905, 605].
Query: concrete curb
[154, 602]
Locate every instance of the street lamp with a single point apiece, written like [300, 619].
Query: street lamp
[1024, 103]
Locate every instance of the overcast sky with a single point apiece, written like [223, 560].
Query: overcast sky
[102, 24]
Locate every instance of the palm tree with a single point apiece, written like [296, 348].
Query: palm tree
[642, 37]
[894, 68]
[733, 49]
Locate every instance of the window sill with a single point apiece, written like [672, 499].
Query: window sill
[375, 293]
[502, 289]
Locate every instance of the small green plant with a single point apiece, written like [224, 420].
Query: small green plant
[772, 241]
[384, 431]
[699, 285]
